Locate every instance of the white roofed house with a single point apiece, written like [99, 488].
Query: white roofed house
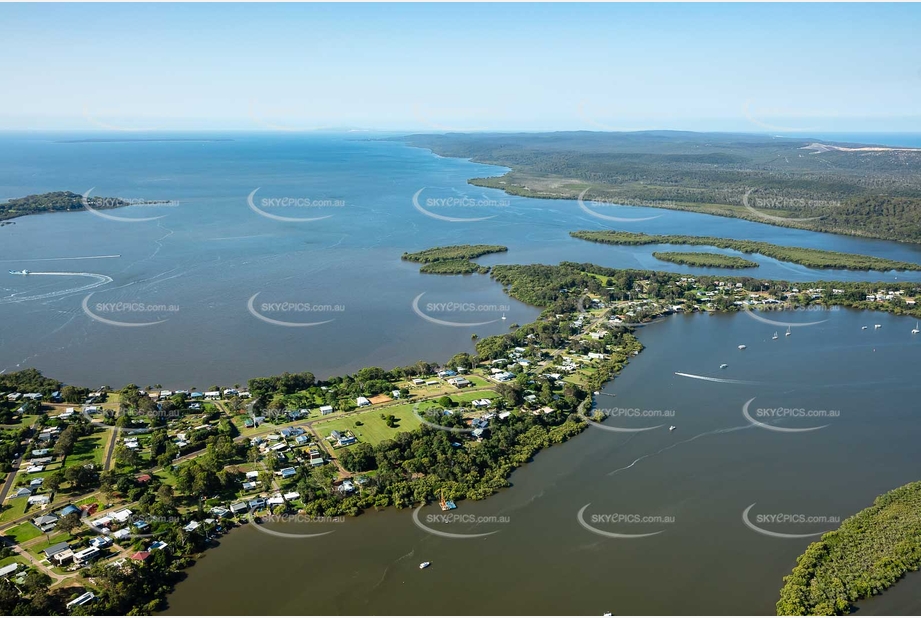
[363, 401]
[324, 410]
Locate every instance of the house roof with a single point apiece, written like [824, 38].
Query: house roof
[141, 556]
[57, 548]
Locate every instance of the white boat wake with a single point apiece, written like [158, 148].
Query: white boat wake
[720, 380]
[62, 259]
[671, 446]
[100, 280]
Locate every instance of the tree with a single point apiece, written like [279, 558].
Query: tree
[70, 522]
[54, 480]
[65, 444]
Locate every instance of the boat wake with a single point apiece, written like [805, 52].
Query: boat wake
[720, 380]
[679, 443]
[99, 280]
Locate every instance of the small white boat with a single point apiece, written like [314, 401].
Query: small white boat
[915, 330]
[742, 347]
[789, 331]
[775, 336]
[425, 565]
[724, 365]
[671, 428]
[863, 328]
[877, 326]
[503, 316]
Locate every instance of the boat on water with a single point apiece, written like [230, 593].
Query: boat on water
[742, 347]
[503, 316]
[775, 336]
[877, 326]
[19, 272]
[671, 428]
[425, 565]
[863, 328]
[789, 331]
[915, 330]
[724, 365]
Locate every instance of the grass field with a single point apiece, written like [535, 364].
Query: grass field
[374, 430]
[12, 509]
[23, 532]
[89, 449]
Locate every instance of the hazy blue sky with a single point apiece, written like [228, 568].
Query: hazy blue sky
[777, 68]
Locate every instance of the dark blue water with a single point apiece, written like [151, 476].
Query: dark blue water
[195, 268]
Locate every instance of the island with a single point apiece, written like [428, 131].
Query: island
[867, 554]
[707, 260]
[856, 189]
[62, 201]
[454, 259]
[811, 258]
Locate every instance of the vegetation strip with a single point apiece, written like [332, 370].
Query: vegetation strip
[707, 260]
[869, 552]
[810, 258]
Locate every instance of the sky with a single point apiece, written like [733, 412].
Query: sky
[779, 68]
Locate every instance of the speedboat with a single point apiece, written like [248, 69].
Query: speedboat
[425, 565]
[724, 365]
[671, 428]
[863, 328]
[877, 326]
[742, 347]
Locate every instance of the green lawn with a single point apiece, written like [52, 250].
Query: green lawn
[12, 509]
[89, 449]
[23, 532]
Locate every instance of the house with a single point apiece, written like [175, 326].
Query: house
[250, 485]
[85, 556]
[481, 403]
[45, 523]
[141, 525]
[346, 486]
[418, 382]
[395, 394]
[316, 459]
[257, 503]
[252, 475]
[121, 534]
[301, 440]
[9, 569]
[239, 507]
[460, 382]
[192, 526]
[40, 452]
[195, 395]
[157, 545]
[67, 510]
[287, 473]
[56, 549]
[140, 556]
[101, 542]
[346, 440]
[363, 401]
[33, 396]
[122, 516]
[212, 394]
[22, 492]
[36, 483]
[220, 511]
[275, 500]
[83, 599]
[13, 396]
[324, 410]
[291, 495]
[34, 469]
[504, 415]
